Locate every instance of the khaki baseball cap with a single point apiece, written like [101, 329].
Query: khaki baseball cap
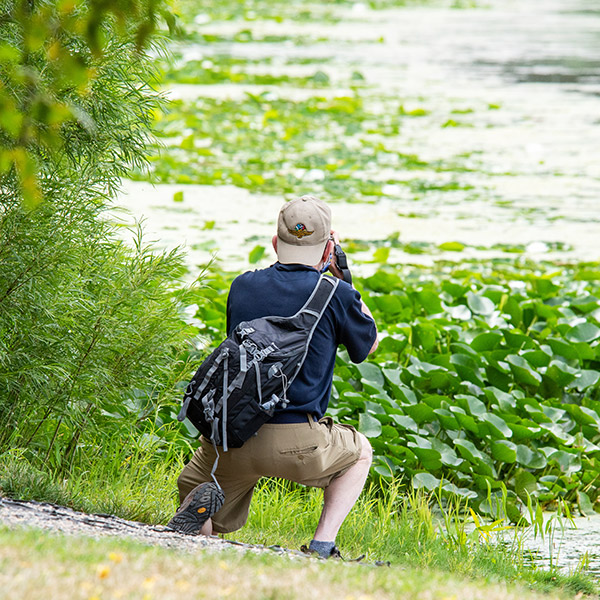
[303, 228]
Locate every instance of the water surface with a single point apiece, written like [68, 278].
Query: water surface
[511, 89]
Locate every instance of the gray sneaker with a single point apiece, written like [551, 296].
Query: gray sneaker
[333, 553]
[198, 506]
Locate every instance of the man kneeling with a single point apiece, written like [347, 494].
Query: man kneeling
[298, 443]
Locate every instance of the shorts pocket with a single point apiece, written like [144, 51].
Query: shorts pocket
[296, 451]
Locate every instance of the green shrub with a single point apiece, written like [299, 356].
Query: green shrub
[89, 329]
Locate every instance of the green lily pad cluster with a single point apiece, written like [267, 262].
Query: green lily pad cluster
[282, 10]
[338, 146]
[485, 376]
[206, 72]
[394, 241]
[246, 36]
[263, 10]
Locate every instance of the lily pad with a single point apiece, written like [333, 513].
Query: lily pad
[525, 483]
[425, 480]
[480, 304]
[532, 459]
[504, 451]
[585, 504]
[371, 372]
[522, 370]
[468, 450]
[497, 425]
[584, 332]
[256, 254]
[369, 426]
[488, 340]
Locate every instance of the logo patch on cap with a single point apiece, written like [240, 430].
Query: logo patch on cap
[300, 231]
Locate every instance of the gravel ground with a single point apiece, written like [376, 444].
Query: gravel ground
[51, 517]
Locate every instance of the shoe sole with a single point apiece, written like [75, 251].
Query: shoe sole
[198, 506]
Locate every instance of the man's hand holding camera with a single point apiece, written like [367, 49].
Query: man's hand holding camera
[338, 267]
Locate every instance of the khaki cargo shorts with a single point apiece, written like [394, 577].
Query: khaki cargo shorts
[311, 453]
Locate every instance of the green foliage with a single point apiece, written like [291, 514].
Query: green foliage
[21, 480]
[89, 329]
[281, 10]
[206, 72]
[130, 477]
[413, 530]
[61, 67]
[485, 373]
[337, 146]
[387, 524]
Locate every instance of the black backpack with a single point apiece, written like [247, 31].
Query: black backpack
[237, 388]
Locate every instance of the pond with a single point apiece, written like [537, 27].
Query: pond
[568, 546]
[508, 93]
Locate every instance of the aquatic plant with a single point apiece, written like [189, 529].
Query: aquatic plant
[487, 374]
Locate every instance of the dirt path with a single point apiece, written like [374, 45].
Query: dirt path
[59, 519]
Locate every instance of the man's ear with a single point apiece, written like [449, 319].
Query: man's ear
[274, 242]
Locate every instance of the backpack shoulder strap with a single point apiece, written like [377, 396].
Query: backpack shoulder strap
[320, 297]
[315, 307]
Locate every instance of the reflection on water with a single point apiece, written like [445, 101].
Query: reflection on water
[570, 547]
[584, 72]
[549, 42]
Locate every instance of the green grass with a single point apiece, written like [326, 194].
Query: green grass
[135, 486]
[35, 564]
[408, 529]
[389, 525]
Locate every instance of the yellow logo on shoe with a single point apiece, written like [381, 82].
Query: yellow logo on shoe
[202, 509]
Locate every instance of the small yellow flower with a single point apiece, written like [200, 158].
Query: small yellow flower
[116, 557]
[149, 582]
[102, 571]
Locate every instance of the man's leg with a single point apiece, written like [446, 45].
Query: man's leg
[207, 528]
[341, 494]
[236, 478]
[338, 498]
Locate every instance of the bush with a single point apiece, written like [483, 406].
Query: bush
[89, 330]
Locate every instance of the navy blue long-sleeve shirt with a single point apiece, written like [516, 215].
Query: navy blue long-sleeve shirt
[282, 290]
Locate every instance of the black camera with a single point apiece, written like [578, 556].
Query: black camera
[342, 263]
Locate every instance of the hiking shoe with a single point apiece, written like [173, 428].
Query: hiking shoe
[334, 553]
[198, 506]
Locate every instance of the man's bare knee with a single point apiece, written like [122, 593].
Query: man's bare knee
[366, 453]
